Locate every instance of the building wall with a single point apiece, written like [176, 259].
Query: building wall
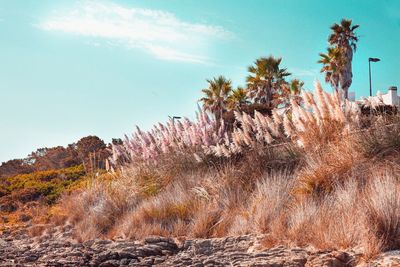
[391, 97]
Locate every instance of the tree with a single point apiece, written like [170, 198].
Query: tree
[290, 91]
[238, 98]
[265, 80]
[14, 167]
[92, 151]
[332, 63]
[216, 96]
[53, 158]
[343, 37]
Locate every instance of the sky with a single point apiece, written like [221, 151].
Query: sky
[69, 68]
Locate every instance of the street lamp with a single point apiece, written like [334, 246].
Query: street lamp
[371, 59]
[173, 118]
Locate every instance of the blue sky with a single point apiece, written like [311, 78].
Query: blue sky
[69, 69]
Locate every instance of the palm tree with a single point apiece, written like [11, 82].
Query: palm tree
[289, 91]
[265, 80]
[216, 95]
[345, 39]
[238, 98]
[332, 62]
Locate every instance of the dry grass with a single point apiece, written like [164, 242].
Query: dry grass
[269, 200]
[382, 204]
[94, 211]
[354, 212]
[168, 213]
[336, 190]
[323, 168]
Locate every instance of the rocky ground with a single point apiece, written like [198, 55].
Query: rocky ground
[57, 248]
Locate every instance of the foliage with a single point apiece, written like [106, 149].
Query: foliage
[47, 185]
[265, 80]
[343, 34]
[266, 89]
[175, 137]
[323, 118]
[312, 175]
[312, 171]
[337, 62]
[216, 96]
[237, 99]
[332, 64]
[290, 91]
[33, 198]
[90, 151]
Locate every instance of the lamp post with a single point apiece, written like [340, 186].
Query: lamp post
[371, 59]
[173, 118]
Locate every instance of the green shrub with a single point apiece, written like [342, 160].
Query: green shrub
[46, 185]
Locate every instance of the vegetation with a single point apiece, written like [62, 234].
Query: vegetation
[314, 170]
[90, 151]
[238, 98]
[265, 80]
[216, 96]
[37, 182]
[315, 176]
[337, 62]
[26, 197]
[332, 64]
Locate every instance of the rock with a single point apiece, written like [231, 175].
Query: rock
[159, 260]
[31, 258]
[88, 243]
[126, 255]
[102, 242]
[334, 259]
[158, 239]
[124, 262]
[203, 247]
[56, 249]
[110, 263]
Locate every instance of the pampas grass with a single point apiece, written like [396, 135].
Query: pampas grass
[308, 175]
[323, 118]
[174, 137]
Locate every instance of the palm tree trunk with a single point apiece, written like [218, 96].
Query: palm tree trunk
[268, 95]
[346, 77]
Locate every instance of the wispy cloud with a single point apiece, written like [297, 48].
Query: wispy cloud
[304, 72]
[157, 32]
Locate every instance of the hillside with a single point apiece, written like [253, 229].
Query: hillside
[318, 184]
[30, 188]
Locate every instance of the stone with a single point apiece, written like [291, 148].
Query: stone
[124, 262]
[56, 249]
[31, 258]
[109, 263]
[126, 255]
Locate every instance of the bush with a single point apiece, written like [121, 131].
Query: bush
[312, 176]
[44, 184]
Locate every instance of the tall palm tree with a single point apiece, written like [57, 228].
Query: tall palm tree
[238, 98]
[332, 64]
[265, 80]
[343, 36]
[216, 96]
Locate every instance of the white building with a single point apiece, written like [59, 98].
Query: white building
[390, 98]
